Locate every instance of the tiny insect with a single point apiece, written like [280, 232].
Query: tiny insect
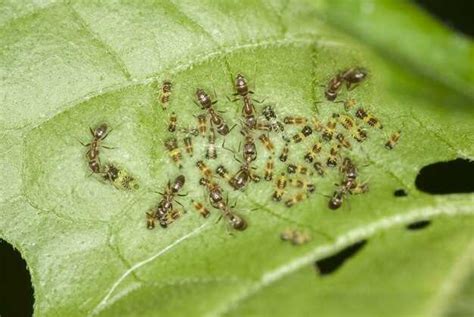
[165, 94]
[150, 220]
[360, 189]
[294, 120]
[348, 168]
[332, 159]
[223, 172]
[269, 165]
[329, 129]
[302, 184]
[215, 192]
[368, 118]
[317, 125]
[269, 114]
[267, 143]
[343, 141]
[348, 104]
[296, 237]
[298, 169]
[300, 136]
[202, 124]
[393, 140]
[346, 121]
[98, 135]
[284, 152]
[234, 220]
[280, 187]
[169, 218]
[205, 170]
[249, 150]
[119, 177]
[172, 122]
[359, 134]
[206, 103]
[354, 76]
[319, 168]
[296, 199]
[336, 199]
[211, 151]
[263, 126]
[188, 145]
[171, 145]
[333, 87]
[201, 209]
[248, 110]
[311, 155]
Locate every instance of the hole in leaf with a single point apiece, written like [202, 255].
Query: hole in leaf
[400, 193]
[450, 177]
[16, 291]
[418, 225]
[330, 264]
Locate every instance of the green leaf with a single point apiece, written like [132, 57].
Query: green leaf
[68, 66]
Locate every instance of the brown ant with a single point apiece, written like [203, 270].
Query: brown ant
[206, 103]
[98, 135]
[248, 110]
[350, 76]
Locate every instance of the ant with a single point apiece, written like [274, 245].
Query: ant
[206, 103]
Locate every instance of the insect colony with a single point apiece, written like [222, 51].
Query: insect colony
[328, 151]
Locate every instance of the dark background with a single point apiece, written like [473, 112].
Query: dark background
[16, 293]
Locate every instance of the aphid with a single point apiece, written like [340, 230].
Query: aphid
[205, 170]
[303, 184]
[249, 151]
[248, 110]
[267, 143]
[188, 143]
[294, 120]
[332, 159]
[317, 125]
[319, 168]
[343, 141]
[354, 76]
[284, 152]
[223, 172]
[368, 118]
[269, 165]
[150, 220]
[164, 212]
[298, 169]
[280, 187]
[346, 121]
[206, 103]
[393, 140]
[311, 155]
[300, 136]
[172, 122]
[119, 178]
[201, 209]
[336, 199]
[169, 218]
[269, 114]
[360, 188]
[296, 237]
[359, 134]
[329, 129]
[171, 145]
[296, 199]
[349, 104]
[263, 126]
[202, 124]
[98, 135]
[211, 152]
[165, 94]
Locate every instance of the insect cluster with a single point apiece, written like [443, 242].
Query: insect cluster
[297, 151]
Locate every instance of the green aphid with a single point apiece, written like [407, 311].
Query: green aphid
[119, 178]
